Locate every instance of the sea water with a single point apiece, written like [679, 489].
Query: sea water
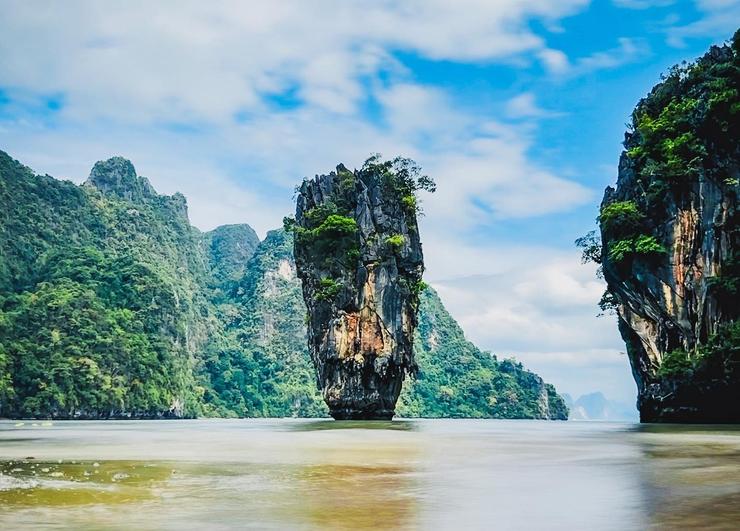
[405, 474]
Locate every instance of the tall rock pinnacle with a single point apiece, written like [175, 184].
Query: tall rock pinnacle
[670, 233]
[358, 254]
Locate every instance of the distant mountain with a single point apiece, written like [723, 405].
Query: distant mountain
[595, 406]
[113, 306]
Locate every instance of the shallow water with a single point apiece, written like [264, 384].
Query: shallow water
[311, 474]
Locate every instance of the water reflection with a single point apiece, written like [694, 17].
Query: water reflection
[292, 474]
[356, 497]
[691, 476]
[326, 424]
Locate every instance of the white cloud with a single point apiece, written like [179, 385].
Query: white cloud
[492, 177]
[558, 64]
[143, 61]
[555, 61]
[719, 19]
[525, 106]
[627, 51]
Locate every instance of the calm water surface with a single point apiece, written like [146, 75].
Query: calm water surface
[317, 474]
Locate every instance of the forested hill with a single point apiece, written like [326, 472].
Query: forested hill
[102, 307]
[113, 305]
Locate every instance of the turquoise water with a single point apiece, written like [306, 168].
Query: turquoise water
[319, 474]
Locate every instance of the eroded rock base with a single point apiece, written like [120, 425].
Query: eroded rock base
[690, 402]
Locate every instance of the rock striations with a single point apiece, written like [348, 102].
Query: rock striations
[359, 257]
[670, 243]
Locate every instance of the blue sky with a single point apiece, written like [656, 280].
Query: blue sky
[517, 109]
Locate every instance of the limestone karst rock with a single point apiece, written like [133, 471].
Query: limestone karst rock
[359, 257]
[670, 243]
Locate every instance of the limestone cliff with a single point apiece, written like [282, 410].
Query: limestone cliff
[358, 255]
[670, 238]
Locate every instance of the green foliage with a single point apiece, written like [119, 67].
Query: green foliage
[619, 250]
[608, 303]
[419, 287]
[676, 363]
[288, 224]
[328, 289]
[395, 241]
[228, 249]
[622, 222]
[591, 248]
[647, 245]
[335, 225]
[670, 139]
[405, 177]
[720, 355]
[642, 245]
[409, 203]
[726, 286]
[718, 359]
[260, 366]
[401, 173]
[621, 218]
[327, 234]
[685, 123]
[76, 356]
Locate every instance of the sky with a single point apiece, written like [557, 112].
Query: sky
[517, 108]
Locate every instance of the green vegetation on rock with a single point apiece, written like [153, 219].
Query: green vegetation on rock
[625, 222]
[260, 365]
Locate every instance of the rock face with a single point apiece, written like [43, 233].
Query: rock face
[117, 176]
[670, 244]
[359, 257]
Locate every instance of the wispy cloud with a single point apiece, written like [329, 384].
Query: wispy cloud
[718, 17]
[525, 106]
[643, 4]
[138, 61]
[628, 50]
